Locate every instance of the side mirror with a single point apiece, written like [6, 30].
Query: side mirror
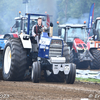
[94, 32]
[17, 24]
[59, 32]
[43, 19]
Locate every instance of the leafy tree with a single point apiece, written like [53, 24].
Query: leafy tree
[65, 9]
[75, 8]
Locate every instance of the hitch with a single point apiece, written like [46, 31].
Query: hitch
[86, 56]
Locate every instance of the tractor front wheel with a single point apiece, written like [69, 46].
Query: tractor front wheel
[70, 78]
[36, 72]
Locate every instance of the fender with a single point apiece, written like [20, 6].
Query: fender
[88, 45]
[25, 42]
[10, 35]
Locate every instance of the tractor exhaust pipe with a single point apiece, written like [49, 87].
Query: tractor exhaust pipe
[51, 30]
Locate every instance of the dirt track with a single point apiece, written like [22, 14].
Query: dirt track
[47, 91]
[27, 90]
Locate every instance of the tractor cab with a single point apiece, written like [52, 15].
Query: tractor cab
[20, 24]
[96, 29]
[25, 24]
[75, 35]
[71, 31]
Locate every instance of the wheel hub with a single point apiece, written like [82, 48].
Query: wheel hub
[7, 60]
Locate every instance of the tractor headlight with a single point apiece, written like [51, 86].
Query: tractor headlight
[47, 48]
[81, 50]
[26, 37]
[78, 48]
[81, 47]
[67, 68]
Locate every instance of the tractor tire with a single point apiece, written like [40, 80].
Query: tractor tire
[95, 64]
[66, 53]
[1, 61]
[70, 78]
[71, 57]
[36, 72]
[54, 78]
[82, 65]
[1, 74]
[15, 60]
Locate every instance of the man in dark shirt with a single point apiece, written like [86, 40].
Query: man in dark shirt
[36, 30]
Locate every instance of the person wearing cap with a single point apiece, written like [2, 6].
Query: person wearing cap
[36, 30]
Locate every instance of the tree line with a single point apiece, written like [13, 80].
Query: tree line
[65, 9]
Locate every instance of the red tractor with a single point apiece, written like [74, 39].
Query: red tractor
[76, 37]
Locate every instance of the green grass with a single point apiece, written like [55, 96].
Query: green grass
[88, 80]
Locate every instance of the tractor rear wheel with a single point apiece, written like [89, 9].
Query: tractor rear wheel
[1, 61]
[66, 53]
[70, 78]
[36, 72]
[15, 60]
[0, 74]
[95, 64]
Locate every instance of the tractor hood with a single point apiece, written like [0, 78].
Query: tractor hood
[46, 40]
[81, 50]
[79, 45]
[44, 45]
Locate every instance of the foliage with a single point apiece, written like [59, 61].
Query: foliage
[88, 80]
[64, 9]
[8, 11]
[75, 8]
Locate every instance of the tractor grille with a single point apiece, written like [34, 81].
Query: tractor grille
[55, 48]
[80, 51]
